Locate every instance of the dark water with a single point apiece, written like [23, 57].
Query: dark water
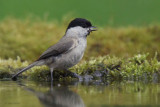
[74, 94]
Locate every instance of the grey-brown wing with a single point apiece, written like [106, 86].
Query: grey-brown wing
[58, 49]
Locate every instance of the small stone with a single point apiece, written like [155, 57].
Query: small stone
[87, 77]
[97, 74]
[58, 85]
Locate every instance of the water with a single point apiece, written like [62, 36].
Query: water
[76, 94]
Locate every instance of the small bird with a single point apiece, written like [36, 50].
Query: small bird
[68, 51]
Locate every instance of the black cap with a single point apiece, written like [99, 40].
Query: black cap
[80, 22]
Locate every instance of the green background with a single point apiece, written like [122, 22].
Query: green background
[101, 12]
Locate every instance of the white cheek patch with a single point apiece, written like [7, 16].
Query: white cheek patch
[77, 32]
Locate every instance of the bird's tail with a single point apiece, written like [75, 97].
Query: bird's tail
[14, 77]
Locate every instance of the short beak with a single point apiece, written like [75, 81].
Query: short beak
[92, 28]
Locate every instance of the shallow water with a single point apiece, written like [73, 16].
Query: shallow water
[78, 94]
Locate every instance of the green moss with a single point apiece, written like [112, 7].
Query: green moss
[127, 44]
[138, 67]
[34, 37]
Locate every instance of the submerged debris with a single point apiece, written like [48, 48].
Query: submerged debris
[100, 68]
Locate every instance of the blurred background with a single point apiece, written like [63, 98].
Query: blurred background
[126, 27]
[104, 12]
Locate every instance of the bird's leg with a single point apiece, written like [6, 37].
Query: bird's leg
[51, 70]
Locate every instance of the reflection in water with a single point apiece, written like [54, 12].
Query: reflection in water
[59, 97]
[75, 94]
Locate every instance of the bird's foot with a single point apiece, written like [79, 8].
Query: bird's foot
[74, 75]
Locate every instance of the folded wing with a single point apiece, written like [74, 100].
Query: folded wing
[59, 48]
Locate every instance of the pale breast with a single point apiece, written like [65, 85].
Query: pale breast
[71, 58]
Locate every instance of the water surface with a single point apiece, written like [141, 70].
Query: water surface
[78, 94]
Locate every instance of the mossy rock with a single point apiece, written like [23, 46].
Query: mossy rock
[105, 68]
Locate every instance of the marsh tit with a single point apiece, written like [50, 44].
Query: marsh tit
[68, 51]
